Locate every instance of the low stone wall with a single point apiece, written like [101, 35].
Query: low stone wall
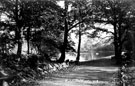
[48, 68]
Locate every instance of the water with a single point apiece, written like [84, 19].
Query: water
[95, 55]
[85, 56]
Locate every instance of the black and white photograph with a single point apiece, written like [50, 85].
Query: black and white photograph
[67, 42]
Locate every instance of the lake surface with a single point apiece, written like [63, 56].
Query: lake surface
[85, 56]
[96, 55]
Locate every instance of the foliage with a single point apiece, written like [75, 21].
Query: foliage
[5, 42]
[125, 76]
[117, 13]
[46, 27]
[40, 23]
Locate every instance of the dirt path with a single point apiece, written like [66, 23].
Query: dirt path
[93, 73]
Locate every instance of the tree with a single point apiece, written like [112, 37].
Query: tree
[72, 20]
[64, 45]
[81, 9]
[26, 17]
[118, 14]
[40, 18]
[37, 21]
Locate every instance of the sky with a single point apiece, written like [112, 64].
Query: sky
[61, 3]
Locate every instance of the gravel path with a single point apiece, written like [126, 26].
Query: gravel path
[83, 75]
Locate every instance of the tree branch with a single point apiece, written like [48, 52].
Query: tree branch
[75, 25]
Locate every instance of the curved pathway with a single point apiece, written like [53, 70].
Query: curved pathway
[92, 73]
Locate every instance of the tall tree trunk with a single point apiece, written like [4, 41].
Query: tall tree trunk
[28, 45]
[18, 32]
[116, 45]
[19, 51]
[120, 43]
[19, 41]
[28, 40]
[79, 42]
[79, 45]
[64, 46]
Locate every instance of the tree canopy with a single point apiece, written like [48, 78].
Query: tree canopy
[46, 28]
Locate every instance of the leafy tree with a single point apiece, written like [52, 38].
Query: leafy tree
[71, 18]
[119, 15]
[26, 17]
[64, 45]
[81, 9]
[39, 22]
